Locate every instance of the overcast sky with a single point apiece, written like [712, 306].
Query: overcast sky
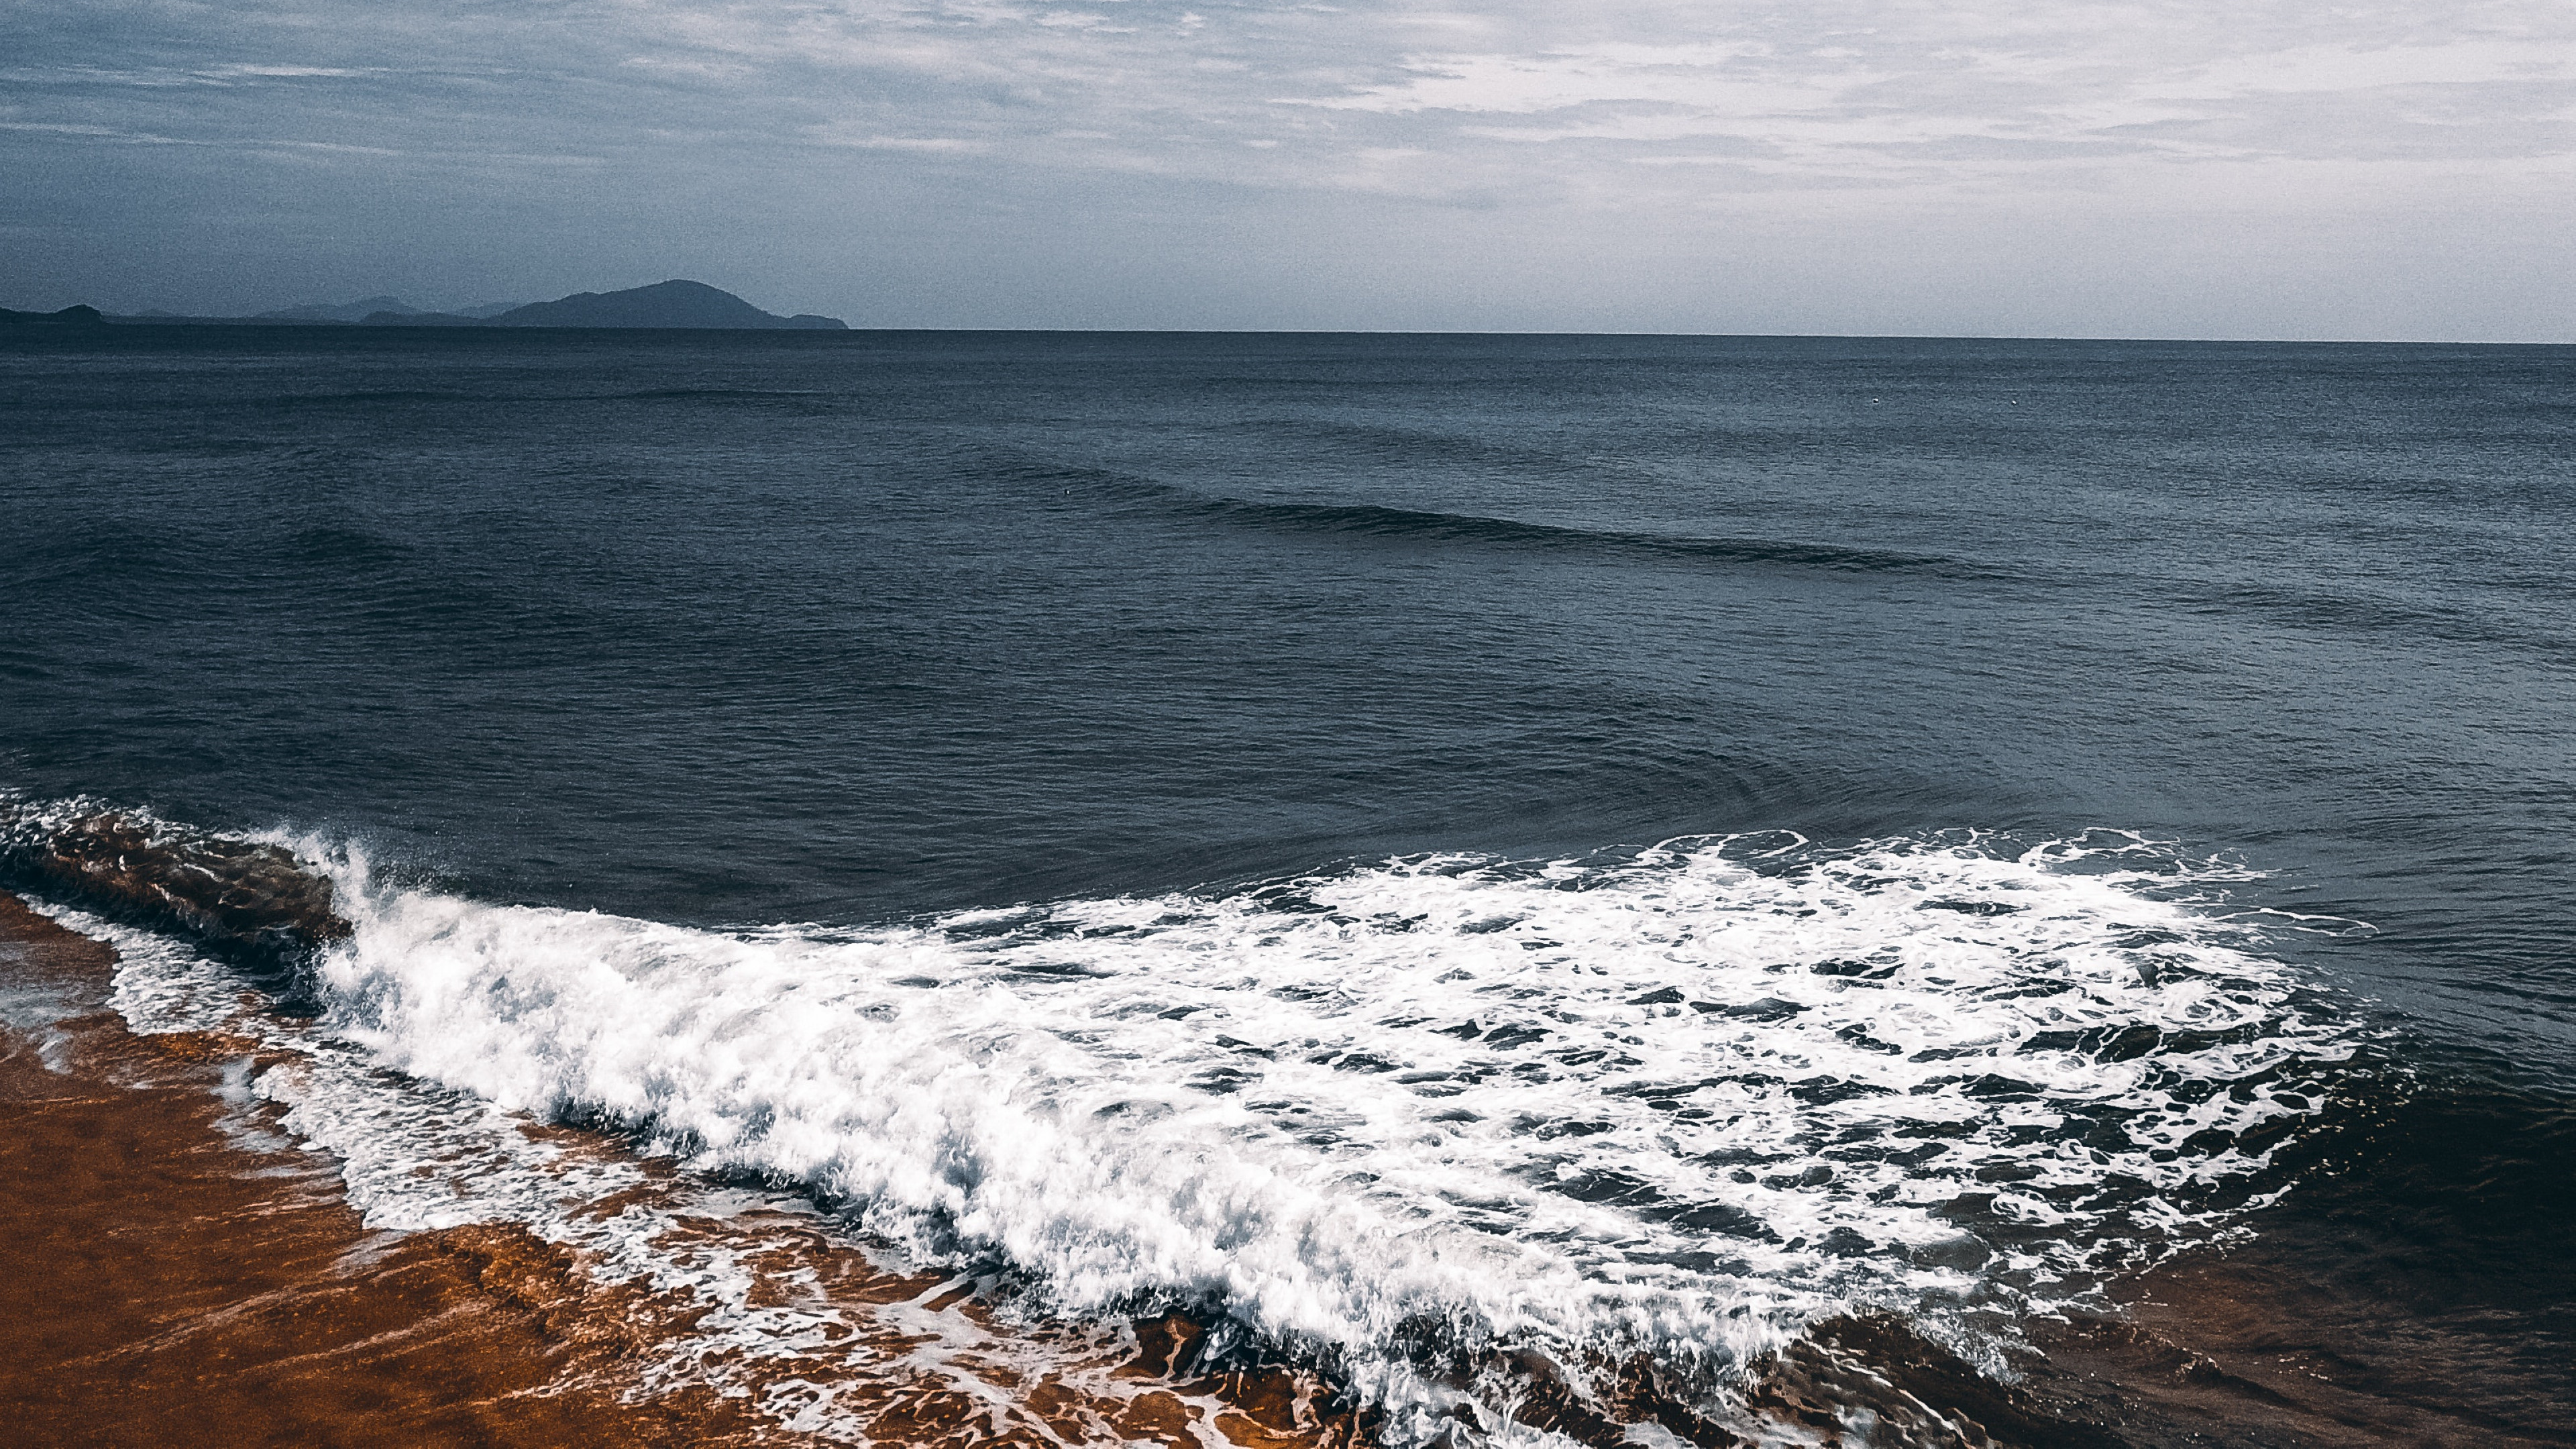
[2220, 168]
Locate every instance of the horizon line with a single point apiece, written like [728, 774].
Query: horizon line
[197, 321]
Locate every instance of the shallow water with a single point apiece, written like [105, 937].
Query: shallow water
[1398, 847]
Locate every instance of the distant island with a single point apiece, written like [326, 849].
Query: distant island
[676, 303]
[664, 304]
[68, 317]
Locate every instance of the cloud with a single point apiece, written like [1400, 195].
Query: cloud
[1824, 91]
[1978, 92]
[1529, 112]
[931, 145]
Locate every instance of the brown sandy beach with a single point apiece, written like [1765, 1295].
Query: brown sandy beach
[178, 1272]
[171, 1281]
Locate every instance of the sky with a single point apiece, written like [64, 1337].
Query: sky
[2196, 168]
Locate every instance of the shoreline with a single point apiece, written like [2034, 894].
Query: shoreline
[176, 1278]
[186, 1272]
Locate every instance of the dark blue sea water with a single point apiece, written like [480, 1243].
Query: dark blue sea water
[860, 630]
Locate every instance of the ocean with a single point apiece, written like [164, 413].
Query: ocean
[1549, 889]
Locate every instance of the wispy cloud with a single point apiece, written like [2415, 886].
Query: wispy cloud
[1824, 92]
[1619, 109]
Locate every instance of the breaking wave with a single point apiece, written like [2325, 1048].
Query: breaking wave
[1412, 1120]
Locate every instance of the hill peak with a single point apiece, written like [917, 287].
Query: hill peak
[678, 302]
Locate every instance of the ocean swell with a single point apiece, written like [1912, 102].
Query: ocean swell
[1411, 525]
[1377, 521]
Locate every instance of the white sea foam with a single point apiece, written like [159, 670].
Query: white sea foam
[414, 1155]
[1681, 1102]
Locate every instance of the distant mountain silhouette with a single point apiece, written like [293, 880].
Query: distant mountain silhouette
[421, 319]
[664, 304]
[68, 317]
[337, 311]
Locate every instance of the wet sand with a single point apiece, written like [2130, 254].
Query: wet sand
[2413, 1288]
[2263, 1346]
[170, 1279]
[179, 1271]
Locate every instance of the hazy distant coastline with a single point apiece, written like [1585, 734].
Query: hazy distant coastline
[676, 303]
